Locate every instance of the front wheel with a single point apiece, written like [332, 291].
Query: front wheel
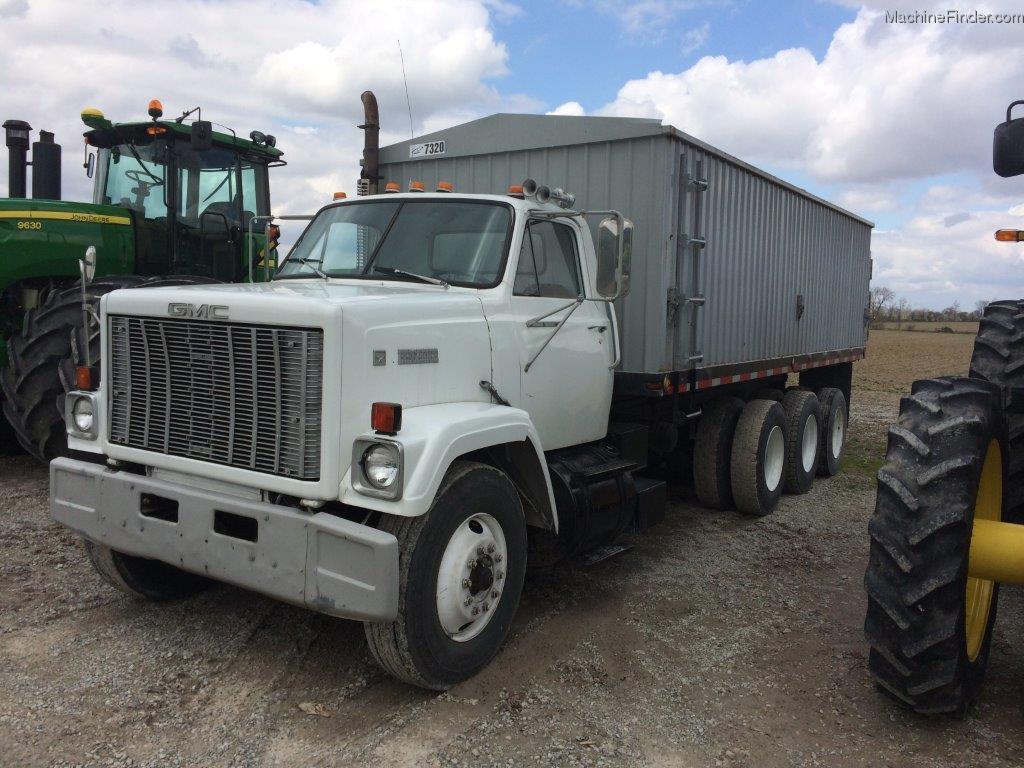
[461, 570]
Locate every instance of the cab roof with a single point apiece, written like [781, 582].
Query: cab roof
[119, 131]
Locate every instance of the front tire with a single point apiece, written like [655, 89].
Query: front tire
[461, 570]
[149, 579]
[928, 623]
[758, 460]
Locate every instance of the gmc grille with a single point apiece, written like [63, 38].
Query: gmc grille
[246, 396]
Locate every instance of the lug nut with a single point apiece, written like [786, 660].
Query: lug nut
[479, 550]
[486, 606]
[475, 611]
[467, 601]
[471, 564]
[466, 583]
[499, 575]
[497, 558]
[490, 548]
[494, 594]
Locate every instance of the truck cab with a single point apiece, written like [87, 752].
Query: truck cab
[415, 406]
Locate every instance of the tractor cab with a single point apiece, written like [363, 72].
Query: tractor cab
[194, 194]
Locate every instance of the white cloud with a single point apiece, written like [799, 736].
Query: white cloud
[694, 39]
[296, 71]
[573, 108]
[645, 17]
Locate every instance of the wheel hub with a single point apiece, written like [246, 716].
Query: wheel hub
[471, 577]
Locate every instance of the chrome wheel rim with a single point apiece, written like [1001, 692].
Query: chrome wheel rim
[471, 577]
[774, 458]
[809, 444]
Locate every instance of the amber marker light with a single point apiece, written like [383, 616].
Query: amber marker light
[1009, 235]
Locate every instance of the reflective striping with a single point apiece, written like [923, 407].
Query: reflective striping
[768, 372]
[82, 218]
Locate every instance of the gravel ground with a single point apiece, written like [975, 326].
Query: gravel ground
[718, 640]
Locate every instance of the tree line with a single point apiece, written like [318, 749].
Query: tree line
[886, 306]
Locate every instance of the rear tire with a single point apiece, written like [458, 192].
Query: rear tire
[803, 442]
[438, 549]
[928, 625]
[998, 357]
[149, 579]
[712, 449]
[758, 459]
[832, 435]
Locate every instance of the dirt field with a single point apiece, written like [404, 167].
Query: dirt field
[719, 640]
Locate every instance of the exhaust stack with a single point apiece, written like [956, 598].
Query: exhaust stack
[369, 176]
[17, 132]
[46, 167]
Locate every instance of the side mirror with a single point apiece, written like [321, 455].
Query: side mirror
[90, 164]
[1008, 145]
[614, 256]
[87, 265]
[202, 135]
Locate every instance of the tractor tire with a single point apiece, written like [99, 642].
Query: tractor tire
[149, 579]
[758, 460]
[42, 358]
[712, 452]
[31, 383]
[456, 599]
[835, 419]
[803, 444]
[998, 357]
[928, 624]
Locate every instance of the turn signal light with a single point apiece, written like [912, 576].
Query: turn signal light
[416, 186]
[445, 186]
[516, 190]
[340, 195]
[1010, 235]
[386, 418]
[392, 187]
[83, 378]
[156, 109]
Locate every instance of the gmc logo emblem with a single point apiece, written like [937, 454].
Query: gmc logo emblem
[201, 312]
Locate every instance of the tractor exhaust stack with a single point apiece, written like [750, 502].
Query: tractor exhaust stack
[17, 132]
[369, 175]
[45, 167]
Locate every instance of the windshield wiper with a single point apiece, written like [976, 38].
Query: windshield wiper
[308, 262]
[403, 273]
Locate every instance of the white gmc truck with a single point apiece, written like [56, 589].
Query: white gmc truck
[431, 393]
[381, 433]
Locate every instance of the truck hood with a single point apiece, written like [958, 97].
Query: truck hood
[290, 302]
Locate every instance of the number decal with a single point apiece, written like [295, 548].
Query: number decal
[427, 149]
[30, 225]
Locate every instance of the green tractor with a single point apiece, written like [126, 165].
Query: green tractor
[173, 203]
[948, 526]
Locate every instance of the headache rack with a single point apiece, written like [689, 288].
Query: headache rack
[246, 396]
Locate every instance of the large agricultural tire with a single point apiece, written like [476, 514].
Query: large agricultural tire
[31, 383]
[712, 452]
[998, 357]
[803, 443]
[42, 358]
[138, 576]
[442, 571]
[928, 624]
[758, 460]
[835, 421]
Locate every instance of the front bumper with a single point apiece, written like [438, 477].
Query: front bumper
[317, 560]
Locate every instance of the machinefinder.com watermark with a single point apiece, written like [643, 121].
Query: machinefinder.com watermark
[952, 17]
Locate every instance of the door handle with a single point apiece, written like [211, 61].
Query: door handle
[598, 328]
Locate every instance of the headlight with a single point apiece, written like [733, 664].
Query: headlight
[381, 466]
[82, 413]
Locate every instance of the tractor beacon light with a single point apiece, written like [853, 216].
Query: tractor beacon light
[156, 109]
[1010, 235]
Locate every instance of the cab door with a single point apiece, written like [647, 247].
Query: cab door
[567, 387]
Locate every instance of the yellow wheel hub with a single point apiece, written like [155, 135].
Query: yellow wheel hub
[988, 506]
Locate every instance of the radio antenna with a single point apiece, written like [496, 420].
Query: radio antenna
[405, 82]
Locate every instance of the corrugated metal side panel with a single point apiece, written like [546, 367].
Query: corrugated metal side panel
[767, 245]
[626, 175]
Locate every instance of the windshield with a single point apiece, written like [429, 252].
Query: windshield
[459, 242]
[135, 178]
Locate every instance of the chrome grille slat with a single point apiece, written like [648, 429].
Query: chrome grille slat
[241, 395]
